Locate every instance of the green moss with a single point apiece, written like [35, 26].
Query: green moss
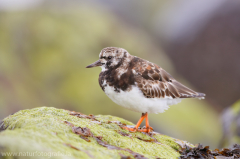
[43, 130]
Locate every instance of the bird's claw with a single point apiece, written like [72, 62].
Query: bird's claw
[146, 130]
[130, 129]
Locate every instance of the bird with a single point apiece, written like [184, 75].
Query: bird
[139, 85]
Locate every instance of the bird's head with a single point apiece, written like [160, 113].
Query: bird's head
[110, 57]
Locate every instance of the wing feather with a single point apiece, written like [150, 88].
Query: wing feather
[155, 82]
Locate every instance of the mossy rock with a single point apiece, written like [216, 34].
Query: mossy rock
[57, 133]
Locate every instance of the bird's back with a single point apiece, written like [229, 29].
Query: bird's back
[155, 82]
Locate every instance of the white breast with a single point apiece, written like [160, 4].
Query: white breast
[136, 101]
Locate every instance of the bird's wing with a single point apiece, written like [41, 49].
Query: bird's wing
[155, 82]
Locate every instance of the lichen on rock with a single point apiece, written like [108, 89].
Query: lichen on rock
[57, 133]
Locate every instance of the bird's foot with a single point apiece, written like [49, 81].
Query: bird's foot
[146, 130]
[129, 129]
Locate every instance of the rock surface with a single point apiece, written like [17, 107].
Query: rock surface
[57, 133]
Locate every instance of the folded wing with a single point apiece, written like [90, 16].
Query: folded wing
[155, 82]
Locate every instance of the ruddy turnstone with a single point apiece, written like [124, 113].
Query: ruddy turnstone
[138, 84]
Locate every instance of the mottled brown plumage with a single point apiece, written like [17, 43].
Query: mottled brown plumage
[152, 80]
[138, 84]
[155, 82]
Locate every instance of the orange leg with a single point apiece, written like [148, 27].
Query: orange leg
[147, 129]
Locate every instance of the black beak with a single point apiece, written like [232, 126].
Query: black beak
[95, 64]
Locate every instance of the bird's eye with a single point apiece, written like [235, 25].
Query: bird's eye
[109, 57]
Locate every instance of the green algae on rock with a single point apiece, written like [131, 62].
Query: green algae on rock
[57, 133]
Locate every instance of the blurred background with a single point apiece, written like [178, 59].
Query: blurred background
[46, 44]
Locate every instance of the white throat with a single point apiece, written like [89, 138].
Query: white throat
[103, 68]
